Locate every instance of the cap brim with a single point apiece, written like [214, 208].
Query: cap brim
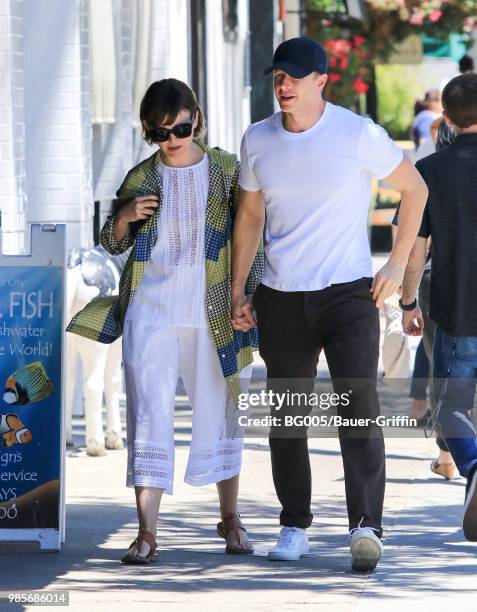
[296, 72]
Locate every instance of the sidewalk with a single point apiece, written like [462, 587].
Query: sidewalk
[426, 560]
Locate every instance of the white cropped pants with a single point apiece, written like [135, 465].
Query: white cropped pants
[153, 357]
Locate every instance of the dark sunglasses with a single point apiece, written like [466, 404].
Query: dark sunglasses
[181, 130]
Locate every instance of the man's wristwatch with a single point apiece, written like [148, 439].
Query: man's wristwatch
[410, 306]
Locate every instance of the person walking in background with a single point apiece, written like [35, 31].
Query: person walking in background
[443, 465]
[176, 210]
[450, 220]
[421, 126]
[419, 106]
[310, 167]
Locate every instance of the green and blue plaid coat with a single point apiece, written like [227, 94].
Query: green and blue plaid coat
[103, 318]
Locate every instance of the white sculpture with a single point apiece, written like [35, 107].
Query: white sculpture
[89, 274]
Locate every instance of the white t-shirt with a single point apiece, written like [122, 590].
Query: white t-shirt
[317, 188]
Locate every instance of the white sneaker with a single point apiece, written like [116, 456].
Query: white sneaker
[114, 441]
[292, 544]
[366, 548]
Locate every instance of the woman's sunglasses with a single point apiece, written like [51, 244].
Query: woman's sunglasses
[181, 130]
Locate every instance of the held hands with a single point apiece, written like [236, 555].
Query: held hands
[242, 317]
[138, 209]
[412, 322]
[386, 282]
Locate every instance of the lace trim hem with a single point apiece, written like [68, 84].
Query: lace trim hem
[150, 466]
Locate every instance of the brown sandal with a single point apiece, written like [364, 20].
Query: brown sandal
[138, 559]
[443, 469]
[233, 524]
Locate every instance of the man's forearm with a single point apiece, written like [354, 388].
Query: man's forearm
[248, 229]
[411, 281]
[410, 218]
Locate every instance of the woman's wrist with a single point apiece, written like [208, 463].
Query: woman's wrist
[120, 227]
[120, 220]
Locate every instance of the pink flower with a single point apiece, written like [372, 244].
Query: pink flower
[360, 86]
[358, 40]
[342, 46]
[344, 63]
[334, 77]
[417, 18]
[435, 15]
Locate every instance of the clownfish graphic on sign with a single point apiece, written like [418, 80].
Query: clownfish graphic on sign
[13, 431]
[27, 385]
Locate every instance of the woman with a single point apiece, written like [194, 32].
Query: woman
[176, 211]
[421, 126]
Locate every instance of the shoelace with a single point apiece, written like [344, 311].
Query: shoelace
[359, 527]
[286, 535]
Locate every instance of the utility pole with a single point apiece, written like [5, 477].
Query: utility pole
[263, 22]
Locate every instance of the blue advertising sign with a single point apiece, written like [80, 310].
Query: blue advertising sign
[31, 337]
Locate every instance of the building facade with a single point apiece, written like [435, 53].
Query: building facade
[72, 74]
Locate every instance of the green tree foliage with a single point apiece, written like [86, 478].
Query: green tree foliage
[397, 92]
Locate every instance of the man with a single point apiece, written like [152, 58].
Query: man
[443, 465]
[310, 167]
[450, 219]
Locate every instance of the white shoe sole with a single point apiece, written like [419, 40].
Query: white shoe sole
[469, 524]
[365, 554]
[275, 555]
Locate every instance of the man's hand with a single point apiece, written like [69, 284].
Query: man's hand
[242, 317]
[412, 322]
[386, 282]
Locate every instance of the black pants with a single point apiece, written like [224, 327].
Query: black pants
[293, 329]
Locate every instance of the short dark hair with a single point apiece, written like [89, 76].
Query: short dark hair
[459, 100]
[164, 100]
[466, 64]
[445, 135]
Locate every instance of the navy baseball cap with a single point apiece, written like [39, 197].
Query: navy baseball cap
[298, 57]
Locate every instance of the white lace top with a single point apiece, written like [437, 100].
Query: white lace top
[172, 291]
